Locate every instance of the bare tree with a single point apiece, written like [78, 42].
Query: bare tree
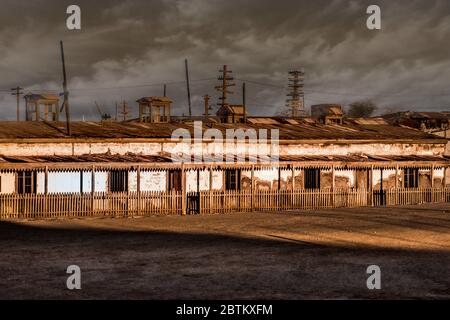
[361, 109]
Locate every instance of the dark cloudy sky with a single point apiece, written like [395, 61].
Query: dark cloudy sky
[125, 47]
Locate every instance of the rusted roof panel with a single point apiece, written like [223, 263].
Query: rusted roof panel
[304, 130]
[140, 158]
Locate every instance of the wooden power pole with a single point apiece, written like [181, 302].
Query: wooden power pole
[17, 91]
[206, 99]
[187, 85]
[65, 93]
[244, 102]
[225, 77]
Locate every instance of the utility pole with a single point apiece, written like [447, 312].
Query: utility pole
[65, 93]
[243, 102]
[296, 96]
[117, 112]
[18, 92]
[165, 91]
[187, 85]
[225, 77]
[206, 99]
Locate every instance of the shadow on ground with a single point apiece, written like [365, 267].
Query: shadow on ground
[178, 265]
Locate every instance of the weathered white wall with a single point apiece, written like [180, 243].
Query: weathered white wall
[150, 148]
[349, 174]
[7, 183]
[150, 181]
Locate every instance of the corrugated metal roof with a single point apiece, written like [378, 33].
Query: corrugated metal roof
[154, 99]
[377, 121]
[140, 158]
[43, 96]
[115, 130]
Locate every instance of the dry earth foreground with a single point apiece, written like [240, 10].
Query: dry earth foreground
[284, 255]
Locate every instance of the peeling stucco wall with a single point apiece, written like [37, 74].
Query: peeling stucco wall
[156, 148]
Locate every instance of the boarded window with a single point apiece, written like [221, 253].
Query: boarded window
[233, 179]
[312, 178]
[26, 182]
[174, 180]
[118, 181]
[410, 177]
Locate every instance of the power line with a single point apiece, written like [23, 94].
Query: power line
[260, 83]
[120, 87]
[391, 94]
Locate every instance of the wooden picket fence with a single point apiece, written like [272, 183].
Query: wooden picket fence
[66, 205]
[102, 204]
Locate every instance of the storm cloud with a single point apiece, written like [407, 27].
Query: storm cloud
[128, 49]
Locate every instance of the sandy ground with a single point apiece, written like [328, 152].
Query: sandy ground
[286, 255]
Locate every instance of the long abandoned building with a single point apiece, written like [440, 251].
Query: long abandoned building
[137, 167]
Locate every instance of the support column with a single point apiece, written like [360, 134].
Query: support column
[46, 180]
[432, 183]
[371, 185]
[333, 185]
[92, 188]
[381, 188]
[37, 111]
[293, 187]
[293, 177]
[81, 182]
[46, 189]
[183, 190]
[279, 178]
[432, 176]
[198, 180]
[444, 179]
[396, 184]
[252, 200]
[210, 189]
[138, 189]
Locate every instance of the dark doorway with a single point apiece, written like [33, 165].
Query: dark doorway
[410, 178]
[233, 179]
[174, 180]
[312, 178]
[118, 181]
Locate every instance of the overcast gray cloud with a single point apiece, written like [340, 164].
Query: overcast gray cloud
[125, 45]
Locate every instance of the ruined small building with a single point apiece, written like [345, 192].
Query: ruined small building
[41, 107]
[231, 113]
[437, 123]
[327, 113]
[154, 109]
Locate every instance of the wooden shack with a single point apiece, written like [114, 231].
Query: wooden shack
[154, 109]
[41, 107]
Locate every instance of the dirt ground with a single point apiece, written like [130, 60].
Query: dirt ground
[286, 255]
